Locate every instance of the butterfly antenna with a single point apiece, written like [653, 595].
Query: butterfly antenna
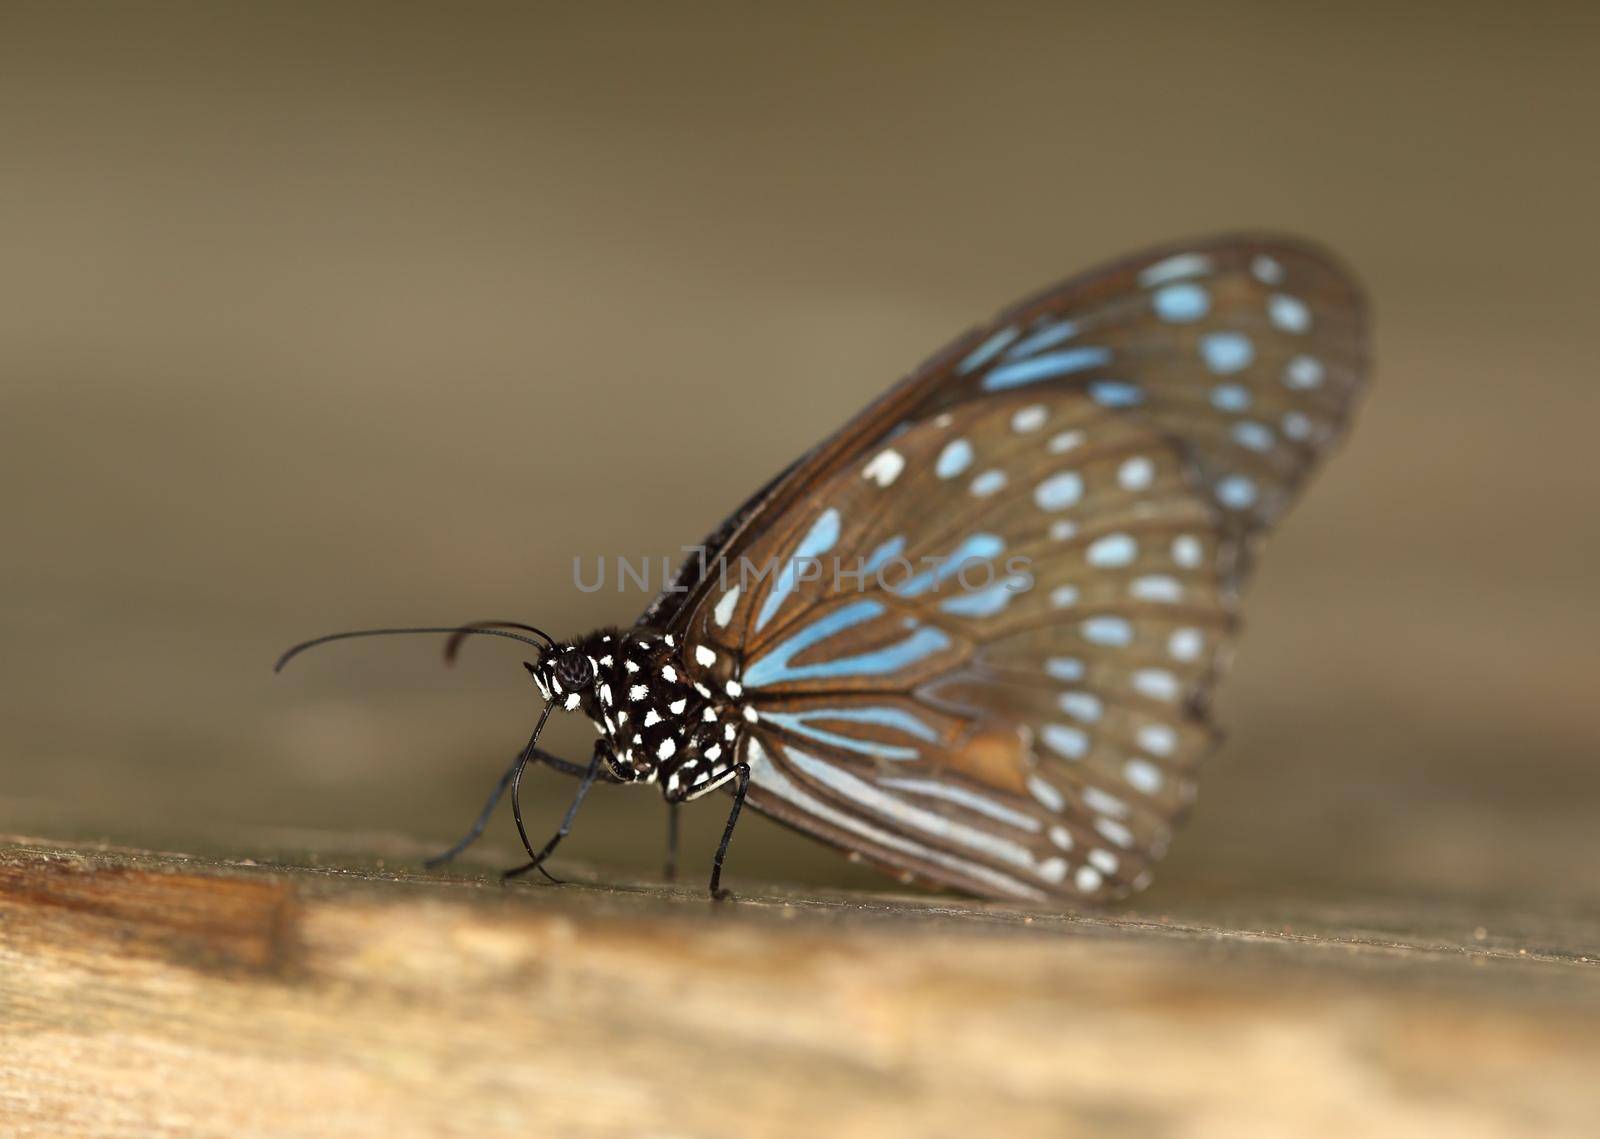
[453, 645]
[457, 631]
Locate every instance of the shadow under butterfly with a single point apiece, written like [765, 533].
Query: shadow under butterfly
[971, 637]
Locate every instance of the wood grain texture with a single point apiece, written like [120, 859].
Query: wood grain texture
[152, 995]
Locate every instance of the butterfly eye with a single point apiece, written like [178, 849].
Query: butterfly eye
[574, 671]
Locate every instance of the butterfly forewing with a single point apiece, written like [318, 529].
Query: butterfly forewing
[1107, 449]
[1249, 352]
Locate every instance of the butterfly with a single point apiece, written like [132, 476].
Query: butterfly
[971, 637]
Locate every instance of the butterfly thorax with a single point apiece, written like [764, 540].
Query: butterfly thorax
[655, 724]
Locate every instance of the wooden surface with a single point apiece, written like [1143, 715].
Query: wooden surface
[148, 995]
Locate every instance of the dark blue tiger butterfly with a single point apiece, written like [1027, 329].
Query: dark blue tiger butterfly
[1126, 437]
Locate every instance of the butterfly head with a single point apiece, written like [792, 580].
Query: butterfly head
[564, 674]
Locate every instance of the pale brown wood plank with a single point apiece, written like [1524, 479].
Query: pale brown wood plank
[162, 995]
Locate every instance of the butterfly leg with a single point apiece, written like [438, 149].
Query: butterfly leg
[742, 785]
[482, 821]
[537, 858]
[670, 871]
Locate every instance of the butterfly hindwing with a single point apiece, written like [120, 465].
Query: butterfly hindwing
[1002, 689]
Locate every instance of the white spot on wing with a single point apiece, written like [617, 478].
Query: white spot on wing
[1082, 706]
[1156, 587]
[1030, 418]
[1065, 441]
[885, 467]
[1236, 492]
[1142, 776]
[1288, 313]
[1046, 793]
[1185, 644]
[1303, 373]
[1156, 683]
[1111, 551]
[1158, 739]
[1266, 269]
[1110, 631]
[1067, 742]
[1136, 474]
[723, 613]
[1059, 491]
[955, 458]
[1175, 268]
[988, 483]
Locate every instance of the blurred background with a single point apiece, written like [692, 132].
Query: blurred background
[324, 316]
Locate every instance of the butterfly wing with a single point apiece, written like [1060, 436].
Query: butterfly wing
[1249, 352]
[1004, 688]
[1126, 436]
